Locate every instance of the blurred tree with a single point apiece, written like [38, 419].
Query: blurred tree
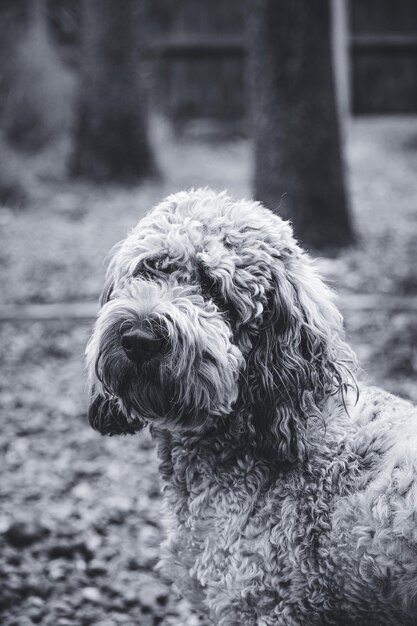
[36, 90]
[298, 163]
[111, 135]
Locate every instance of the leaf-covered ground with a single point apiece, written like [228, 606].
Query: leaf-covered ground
[80, 514]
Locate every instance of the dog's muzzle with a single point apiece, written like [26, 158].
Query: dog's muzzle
[160, 354]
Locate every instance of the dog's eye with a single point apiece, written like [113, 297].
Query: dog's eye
[149, 267]
[211, 291]
[207, 284]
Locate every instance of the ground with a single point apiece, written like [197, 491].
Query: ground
[80, 514]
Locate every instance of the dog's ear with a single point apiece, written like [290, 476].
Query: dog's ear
[298, 360]
[104, 415]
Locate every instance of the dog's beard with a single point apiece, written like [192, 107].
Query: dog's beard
[193, 380]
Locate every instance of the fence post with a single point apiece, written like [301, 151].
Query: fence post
[341, 60]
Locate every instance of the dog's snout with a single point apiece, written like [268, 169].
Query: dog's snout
[140, 345]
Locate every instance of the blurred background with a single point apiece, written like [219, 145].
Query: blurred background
[106, 106]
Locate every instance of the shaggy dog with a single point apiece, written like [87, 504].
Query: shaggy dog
[290, 492]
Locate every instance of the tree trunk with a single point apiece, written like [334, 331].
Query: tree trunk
[35, 89]
[298, 164]
[111, 135]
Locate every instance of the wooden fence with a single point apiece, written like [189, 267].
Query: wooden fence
[198, 50]
[383, 56]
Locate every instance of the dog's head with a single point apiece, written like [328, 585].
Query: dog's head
[211, 311]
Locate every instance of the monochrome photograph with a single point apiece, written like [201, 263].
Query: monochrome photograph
[208, 312]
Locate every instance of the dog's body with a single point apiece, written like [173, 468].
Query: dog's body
[290, 494]
[333, 541]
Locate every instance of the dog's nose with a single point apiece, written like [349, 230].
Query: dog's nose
[139, 345]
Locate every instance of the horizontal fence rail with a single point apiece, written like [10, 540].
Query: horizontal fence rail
[387, 43]
[172, 46]
[86, 311]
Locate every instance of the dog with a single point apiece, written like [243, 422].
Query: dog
[289, 489]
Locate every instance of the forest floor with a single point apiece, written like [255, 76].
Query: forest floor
[80, 514]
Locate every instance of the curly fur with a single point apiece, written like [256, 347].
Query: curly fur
[290, 494]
